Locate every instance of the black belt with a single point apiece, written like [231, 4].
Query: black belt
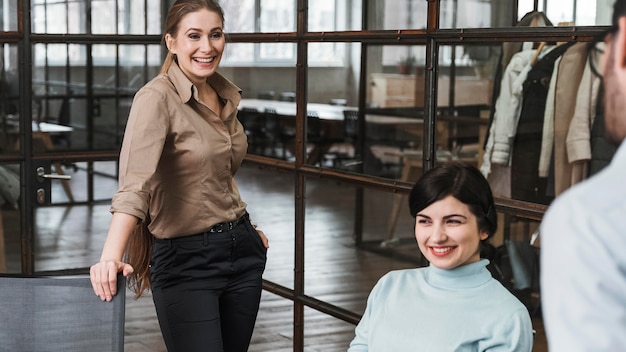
[227, 225]
[217, 228]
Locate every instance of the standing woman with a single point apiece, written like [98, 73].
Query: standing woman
[179, 225]
[454, 304]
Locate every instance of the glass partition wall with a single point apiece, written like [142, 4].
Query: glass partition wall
[345, 104]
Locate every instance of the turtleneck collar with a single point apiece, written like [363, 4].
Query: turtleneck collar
[462, 277]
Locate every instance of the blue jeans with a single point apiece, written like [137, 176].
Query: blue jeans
[207, 288]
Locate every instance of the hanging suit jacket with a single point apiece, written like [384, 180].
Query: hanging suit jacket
[569, 76]
[525, 181]
[601, 151]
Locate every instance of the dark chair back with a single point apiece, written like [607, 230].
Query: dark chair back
[351, 125]
[267, 95]
[287, 96]
[59, 314]
[338, 102]
[313, 126]
[271, 121]
[251, 119]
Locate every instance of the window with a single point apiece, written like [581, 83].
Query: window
[581, 12]
[276, 16]
[108, 17]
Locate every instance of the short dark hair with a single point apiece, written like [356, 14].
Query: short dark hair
[463, 182]
[619, 10]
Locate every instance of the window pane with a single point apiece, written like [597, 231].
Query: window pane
[398, 14]
[392, 71]
[9, 99]
[394, 119]
[236, 54]
[327, 16]
[259, 54]
[132, 19]
[260, 187]
[327, 54]
[329, 225]
[76, 18]
[277, 52]
[103, 17]
[155, 55]
[55, 231]
[466, 14]
[9, 16]
[278, 16]
[10, 219]
[239, 16]
[154, 18]
[49, 17]
[332, 91]
[50, 69]
[265, 88]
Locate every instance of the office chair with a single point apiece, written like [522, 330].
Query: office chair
[59, 313]
[338, 102]
[287, 96]
[346, 155]
[253, 124]
[267, 95]
[278, 134]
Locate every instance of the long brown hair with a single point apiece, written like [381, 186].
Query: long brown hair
[180, 9]
[138, 254]
[139, 249]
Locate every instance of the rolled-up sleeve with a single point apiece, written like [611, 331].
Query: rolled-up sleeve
[146, 132]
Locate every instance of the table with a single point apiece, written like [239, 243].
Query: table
[331, 118]
[287, 108]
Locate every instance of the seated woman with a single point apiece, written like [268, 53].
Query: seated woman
[454, 304]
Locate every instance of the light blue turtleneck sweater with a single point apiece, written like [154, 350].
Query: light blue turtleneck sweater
[431, 309]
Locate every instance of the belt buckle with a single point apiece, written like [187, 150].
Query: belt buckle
[224, 226]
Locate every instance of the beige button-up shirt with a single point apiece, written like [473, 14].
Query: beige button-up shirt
[178, 157]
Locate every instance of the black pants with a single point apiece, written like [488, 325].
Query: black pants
[207, 288]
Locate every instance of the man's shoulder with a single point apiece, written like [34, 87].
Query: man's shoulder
[601, 191]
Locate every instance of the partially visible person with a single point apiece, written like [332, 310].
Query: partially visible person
[454, 304]
[198, 251]
[583, 233]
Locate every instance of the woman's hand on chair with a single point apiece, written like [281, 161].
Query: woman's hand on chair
[104, 277]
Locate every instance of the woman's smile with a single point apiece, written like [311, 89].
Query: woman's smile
[447, 233]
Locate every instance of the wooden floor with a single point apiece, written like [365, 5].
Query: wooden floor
[336, 271]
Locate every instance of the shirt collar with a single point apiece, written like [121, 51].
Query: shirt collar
[227, 91]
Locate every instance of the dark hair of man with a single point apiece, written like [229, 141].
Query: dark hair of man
[619, 10]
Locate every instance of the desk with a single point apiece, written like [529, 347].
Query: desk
[324, 111]
[396, 127]
[286, 108]
[331, 117]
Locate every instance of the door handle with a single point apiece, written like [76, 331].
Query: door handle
[42, 175]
